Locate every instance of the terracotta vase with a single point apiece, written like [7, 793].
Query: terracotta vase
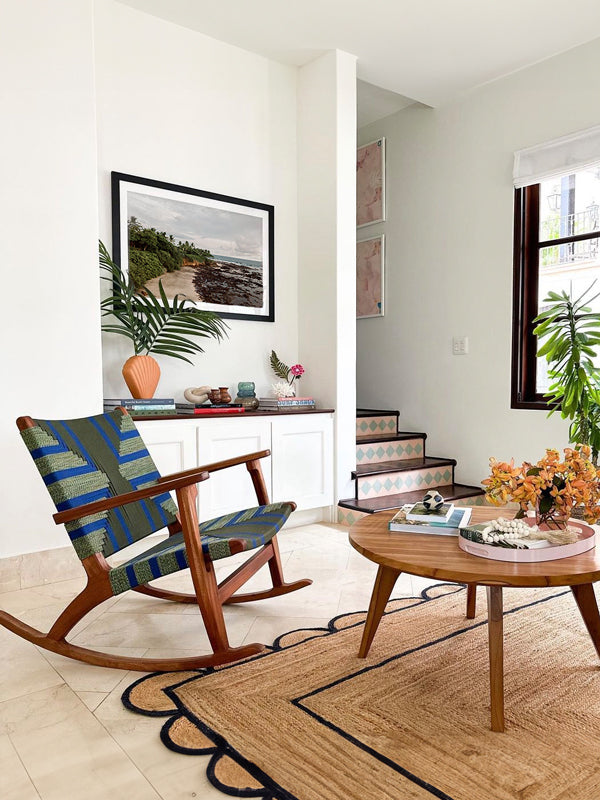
[141, 374]
[225, 396]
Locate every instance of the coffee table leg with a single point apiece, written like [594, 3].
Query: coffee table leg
[586, 600]
[496, 646]
[384, 583]
[471, 600]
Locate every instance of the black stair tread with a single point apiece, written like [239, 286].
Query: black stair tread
[401, 465]
[374, 438]
[376, 412]
[453, 491]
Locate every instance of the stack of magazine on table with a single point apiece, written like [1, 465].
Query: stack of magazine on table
[202, 410]
[286, 403]
[411, 519]
[153, 406]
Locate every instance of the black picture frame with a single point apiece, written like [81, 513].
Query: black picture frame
[237, 287]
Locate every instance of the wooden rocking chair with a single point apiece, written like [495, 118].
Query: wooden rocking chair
[109, 494]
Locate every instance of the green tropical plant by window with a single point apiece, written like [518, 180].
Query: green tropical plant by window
[154, 324]
[572, 333]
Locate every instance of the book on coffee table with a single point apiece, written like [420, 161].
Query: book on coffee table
[459, 518]
[418, 512]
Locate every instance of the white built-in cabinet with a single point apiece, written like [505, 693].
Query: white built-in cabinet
[300, 467]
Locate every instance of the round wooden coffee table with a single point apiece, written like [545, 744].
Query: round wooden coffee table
[439, 557]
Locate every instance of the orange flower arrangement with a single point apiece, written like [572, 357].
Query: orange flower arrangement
[552, 487]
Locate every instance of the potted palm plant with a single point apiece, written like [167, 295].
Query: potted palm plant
[571, 331]
[154, 325]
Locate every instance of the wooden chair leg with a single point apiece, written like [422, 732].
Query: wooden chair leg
[88, 599]
[202, 572]
[166, 594]
[268, 555]
[275, 568]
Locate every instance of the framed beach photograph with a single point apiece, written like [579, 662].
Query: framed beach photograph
[214, 249]
[370, 183]
[370, 260]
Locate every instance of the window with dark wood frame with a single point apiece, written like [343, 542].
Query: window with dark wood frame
[527, 248]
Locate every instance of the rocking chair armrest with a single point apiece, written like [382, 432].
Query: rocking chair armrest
[232, 462]
[229, 462]
[164, 484]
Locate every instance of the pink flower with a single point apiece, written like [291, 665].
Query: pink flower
[297, 370]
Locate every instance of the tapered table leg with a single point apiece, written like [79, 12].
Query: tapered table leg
[471, 600]
[586, 601]
[384, 583]
[496, 647]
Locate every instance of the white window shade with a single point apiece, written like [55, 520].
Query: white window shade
[559, 157]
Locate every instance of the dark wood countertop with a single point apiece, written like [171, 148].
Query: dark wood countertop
[228, 415]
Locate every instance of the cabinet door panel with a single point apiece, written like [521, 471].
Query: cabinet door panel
[172, 445]
[231, 489]
[303, 460]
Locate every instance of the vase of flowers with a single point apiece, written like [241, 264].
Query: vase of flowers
[553, 488]
[290, 376]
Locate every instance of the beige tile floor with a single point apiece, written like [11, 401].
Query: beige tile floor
[63, 730]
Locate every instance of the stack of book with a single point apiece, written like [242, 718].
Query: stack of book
[286, 403]
[154, 406]
[200, 410]
[411, 519]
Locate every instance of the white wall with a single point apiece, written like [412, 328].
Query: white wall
[51, 360]
[177, 106]
[327, 202]
[449, 239]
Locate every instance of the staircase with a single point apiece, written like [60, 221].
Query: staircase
[392, 469]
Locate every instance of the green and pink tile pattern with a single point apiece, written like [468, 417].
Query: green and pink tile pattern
[399, 450]
[396, 482]
[376, 425]
[346, 516]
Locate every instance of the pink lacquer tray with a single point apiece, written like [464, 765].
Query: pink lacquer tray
[542, 552]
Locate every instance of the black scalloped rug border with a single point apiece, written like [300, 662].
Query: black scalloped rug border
[269, 789]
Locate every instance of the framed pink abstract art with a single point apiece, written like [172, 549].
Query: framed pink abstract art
[370, 183]
[369, 277]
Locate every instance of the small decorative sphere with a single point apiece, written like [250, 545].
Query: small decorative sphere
[433, 500]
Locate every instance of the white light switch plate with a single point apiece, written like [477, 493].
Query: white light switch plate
[460, 345]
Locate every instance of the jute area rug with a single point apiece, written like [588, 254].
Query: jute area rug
[309, 720]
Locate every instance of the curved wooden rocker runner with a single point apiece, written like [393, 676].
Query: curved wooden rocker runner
[109, 494]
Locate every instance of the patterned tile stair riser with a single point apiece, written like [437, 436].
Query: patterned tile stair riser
[369, 453]
[397, 482]
[371, 426]
[348, 517]
[320, 724]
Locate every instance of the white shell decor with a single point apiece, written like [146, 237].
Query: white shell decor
[282, 389]
[198, 395]
[515, 533]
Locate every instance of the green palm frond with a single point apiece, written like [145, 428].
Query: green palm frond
[155, 324]
[279, 368]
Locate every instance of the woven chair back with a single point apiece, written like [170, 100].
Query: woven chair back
[88, 459]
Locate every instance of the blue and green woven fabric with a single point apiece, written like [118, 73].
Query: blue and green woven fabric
[88, 459]
[92, 458]
[254, 527]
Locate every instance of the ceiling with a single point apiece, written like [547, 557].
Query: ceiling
[429, 51]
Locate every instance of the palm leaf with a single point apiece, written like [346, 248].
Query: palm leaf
[154, 324]
[279, 368]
